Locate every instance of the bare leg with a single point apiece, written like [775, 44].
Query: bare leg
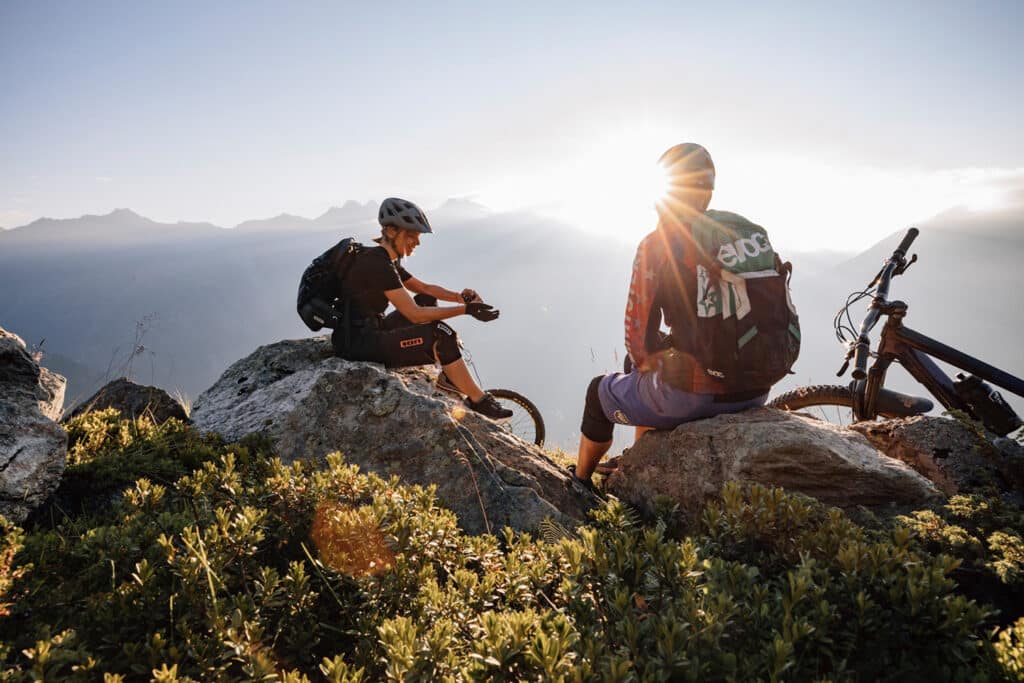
[458, 373]
[640, 431]
[590, 454]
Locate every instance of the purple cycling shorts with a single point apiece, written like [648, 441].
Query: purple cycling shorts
[642, 400]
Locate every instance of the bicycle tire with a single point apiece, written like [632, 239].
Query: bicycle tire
[889, 404]
[819, 395]
[526, 421]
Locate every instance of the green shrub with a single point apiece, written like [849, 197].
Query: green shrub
[106, 454]
[985, 533]
[243, 568]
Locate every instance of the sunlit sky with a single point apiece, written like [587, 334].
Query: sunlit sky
[832, 124]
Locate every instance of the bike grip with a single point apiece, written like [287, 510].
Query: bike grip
[860, 360]
[908, 239]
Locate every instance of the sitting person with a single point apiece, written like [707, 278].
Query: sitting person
[376, 278]
[700, 270]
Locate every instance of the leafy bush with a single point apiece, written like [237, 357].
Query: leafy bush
[986, 534]
[106, 454]
[243, 568]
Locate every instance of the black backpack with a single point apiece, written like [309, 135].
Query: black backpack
[741, 331]
[321, 288]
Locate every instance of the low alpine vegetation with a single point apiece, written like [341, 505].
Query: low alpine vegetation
[218, 562]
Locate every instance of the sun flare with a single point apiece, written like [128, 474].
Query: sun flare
[614, 186]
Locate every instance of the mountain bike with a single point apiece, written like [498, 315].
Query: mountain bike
[526, 421]
[868, 398]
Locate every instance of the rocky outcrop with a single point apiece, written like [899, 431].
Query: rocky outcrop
[950, 454]
[133, 400]
[389, 422]
[51, 393]
[33, 448]
[691, 463]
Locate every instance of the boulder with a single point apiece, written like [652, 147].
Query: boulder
[392, 423]
[133, 400]
[955, 457]
[691, 463]
[51, 393]
[33, 448]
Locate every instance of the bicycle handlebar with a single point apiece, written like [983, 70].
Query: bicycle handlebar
[908, 239]
[894, 266]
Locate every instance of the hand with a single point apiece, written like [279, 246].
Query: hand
[481, 311]
[469, 296]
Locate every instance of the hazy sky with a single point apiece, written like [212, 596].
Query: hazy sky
[823, 118]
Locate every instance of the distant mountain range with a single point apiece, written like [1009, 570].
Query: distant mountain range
[202, 296]
[126, 226]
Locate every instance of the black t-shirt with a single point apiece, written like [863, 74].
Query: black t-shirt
[371, 274]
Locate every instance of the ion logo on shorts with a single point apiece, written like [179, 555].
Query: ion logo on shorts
[620, 417]
[409, 343]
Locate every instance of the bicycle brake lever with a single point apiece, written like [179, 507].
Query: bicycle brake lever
[906, 265]
[846, 361]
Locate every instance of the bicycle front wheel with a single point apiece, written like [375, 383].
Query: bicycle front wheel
[888, 404]
[821, 397]
[526, 421]
[814, 396]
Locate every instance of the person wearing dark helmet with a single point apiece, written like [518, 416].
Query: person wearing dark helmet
[661, 388]
[416, 335]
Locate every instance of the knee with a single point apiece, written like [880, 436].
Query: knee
[446, 345]
[593, 391]
[596, 426]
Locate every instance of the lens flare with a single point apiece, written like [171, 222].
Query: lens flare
[659, 181]
[349, 540]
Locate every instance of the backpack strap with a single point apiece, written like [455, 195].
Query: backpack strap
[784, 268]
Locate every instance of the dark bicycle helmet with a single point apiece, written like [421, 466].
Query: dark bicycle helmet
[689, 165]
[402, 214]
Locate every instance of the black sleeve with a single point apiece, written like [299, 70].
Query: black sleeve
[403, 274]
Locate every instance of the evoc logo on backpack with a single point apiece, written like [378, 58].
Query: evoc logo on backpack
[737, 252]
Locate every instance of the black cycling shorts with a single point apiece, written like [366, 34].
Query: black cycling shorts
[401, 347]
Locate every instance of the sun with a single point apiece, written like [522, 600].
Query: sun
[605, 180]
[615, 184]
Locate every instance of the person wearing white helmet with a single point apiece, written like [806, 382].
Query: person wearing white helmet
[414, 333]
[657, 390]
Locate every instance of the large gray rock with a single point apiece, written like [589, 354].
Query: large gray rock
[33, 448]
[956, 458]
[691, 463]
[389, 422]
[133, 400]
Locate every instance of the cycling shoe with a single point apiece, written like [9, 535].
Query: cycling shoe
[489, 407]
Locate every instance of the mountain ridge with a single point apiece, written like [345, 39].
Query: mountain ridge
[124, 224]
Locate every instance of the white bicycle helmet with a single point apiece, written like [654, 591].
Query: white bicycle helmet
[689, 165]
[402, 214]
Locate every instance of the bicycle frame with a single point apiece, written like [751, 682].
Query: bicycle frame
[913, 350]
